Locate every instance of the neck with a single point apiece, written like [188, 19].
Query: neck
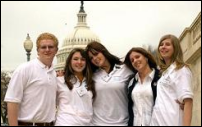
[167, 61]
[79, 76]
[48, 63]
[144, 73]
[106, 67]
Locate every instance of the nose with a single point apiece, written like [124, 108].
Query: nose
[163, 46]
[47, 48]
[134, 61]
[79, 61]
[94, 58]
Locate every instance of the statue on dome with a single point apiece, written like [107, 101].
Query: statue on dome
[82, 4]
[81, 8]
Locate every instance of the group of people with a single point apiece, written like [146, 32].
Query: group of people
[98, 89]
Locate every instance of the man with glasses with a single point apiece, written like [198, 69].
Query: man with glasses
[31, 94]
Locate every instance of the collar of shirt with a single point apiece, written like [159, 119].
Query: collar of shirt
[74, 80]
[116, 67]
[43, 66]
[149, 76]
[84, 79]
[170, 69]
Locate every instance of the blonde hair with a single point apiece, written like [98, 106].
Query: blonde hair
[46, 36]
[177, 55]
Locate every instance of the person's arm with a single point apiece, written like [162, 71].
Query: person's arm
[188, 103]
[13, 113]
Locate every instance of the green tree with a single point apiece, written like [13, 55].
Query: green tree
[5, 78]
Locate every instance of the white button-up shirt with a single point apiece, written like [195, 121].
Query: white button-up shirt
[33, 86]
[75, 106]
[142, 97]
[173, 85]
[111, 104]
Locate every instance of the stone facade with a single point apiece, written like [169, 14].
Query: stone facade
[190, 40]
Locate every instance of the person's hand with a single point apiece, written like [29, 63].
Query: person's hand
[180, 104]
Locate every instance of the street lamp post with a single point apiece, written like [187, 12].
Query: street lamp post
[28, 45]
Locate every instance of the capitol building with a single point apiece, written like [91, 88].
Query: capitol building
[78, 38]
[190, 40]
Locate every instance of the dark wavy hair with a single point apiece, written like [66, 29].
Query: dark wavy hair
[96, 47]
[151, 61]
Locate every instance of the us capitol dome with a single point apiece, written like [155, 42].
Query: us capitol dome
[78, 38]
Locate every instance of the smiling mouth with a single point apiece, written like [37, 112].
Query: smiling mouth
[79, 66]
[164, 51]
[97, 62]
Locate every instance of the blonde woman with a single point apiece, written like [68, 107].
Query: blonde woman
[175, 84]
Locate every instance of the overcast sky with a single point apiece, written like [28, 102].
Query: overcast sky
[119, 25]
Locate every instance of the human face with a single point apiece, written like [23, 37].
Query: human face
[138, 61]
[47, 50]
[98, 59]
[60, 73]
[166, 50]
[78, 63]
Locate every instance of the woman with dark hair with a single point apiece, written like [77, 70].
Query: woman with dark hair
[76, 91]
[110, 76]
[175, 84]
[142, 86]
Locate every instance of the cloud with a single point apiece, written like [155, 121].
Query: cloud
[120, 25]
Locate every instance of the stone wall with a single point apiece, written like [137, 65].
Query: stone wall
[190, 41]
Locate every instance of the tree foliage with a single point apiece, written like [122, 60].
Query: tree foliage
[5, 78]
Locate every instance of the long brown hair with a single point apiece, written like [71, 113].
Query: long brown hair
[151, 60]
[87, 72]
[177, 55]
[96, 47]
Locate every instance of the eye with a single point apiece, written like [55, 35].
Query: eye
[138, 57]
[75, 58]
[83, 59]
[47, 46]
[161, 44]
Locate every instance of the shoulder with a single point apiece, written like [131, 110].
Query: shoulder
[61, 83]
[126, 70]
[131, 82]
[22, 68]
[60, 79]
[184, 70]
[122, 67]
[123, 71]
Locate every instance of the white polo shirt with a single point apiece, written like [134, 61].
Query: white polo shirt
[34, 87]
[173, 85]
[111, 103]
[142, 97]
[75, 106]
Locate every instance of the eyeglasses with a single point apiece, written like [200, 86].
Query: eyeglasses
[45, 47]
